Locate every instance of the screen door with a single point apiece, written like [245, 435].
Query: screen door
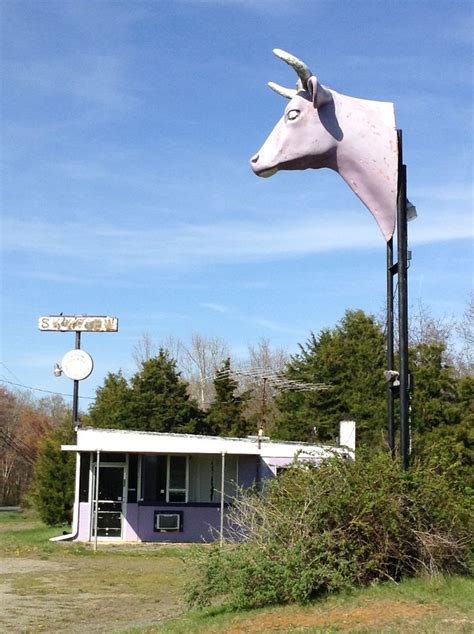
[110, 501]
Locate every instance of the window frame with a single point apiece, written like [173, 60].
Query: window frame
[180, 528]
[186, 480]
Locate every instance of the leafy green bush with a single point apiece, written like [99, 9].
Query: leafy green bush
[52, 493]
[319, 529]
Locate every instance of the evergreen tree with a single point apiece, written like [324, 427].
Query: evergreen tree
[53, 487]
[159, 399]
[442, 418]
[155, 399]
[435, 397]
[351, 359]
[111, 409]
[225, 416]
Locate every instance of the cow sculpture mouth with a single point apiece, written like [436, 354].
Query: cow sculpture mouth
[266, 173]
[300, 163]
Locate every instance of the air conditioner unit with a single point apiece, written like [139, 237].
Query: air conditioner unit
[165, 522]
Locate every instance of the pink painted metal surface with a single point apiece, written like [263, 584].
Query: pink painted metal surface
[355, 137]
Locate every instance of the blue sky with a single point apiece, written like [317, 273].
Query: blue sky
[127, 128]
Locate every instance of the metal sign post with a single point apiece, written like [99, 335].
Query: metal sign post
[403, 315]
[222, 499]
[398, 382]
[390, 348]
[75, 392]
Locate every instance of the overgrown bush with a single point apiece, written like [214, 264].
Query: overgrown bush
[319, 529]
[52, 492]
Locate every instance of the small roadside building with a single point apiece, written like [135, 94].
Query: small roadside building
[157, 487]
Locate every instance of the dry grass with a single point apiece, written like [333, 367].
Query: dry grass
[441, 606]
[65, 587]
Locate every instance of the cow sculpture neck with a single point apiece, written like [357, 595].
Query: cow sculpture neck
[322, 128]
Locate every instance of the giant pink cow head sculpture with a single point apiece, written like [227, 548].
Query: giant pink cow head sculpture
[322, 128]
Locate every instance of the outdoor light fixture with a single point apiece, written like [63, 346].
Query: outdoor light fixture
[57, 370]
[391, 375]
[411, 211]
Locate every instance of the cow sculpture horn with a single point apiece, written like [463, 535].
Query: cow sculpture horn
[300, 67]
[288, 93]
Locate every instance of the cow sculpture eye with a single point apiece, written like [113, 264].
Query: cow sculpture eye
[293, 114]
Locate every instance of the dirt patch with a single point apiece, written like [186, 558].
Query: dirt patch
[104, 593]
[27, 566]
[375, 613]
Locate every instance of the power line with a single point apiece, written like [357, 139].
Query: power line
[10, 371]
[38, 389]
[18, 446]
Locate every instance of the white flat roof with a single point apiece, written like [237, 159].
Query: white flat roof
[127, 441]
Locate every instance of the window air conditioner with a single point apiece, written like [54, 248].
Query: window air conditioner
[167, 522]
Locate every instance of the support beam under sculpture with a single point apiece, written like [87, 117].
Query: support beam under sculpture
[322, 128]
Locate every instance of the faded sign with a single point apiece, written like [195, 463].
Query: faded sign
[78, 323]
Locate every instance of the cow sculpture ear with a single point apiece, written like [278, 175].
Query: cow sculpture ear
[318, 93]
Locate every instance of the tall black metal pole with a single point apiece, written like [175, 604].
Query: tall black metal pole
[402, 246]
[75, 393]
[390, 348]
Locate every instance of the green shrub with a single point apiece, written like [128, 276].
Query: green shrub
[319, 529]
[52, 493]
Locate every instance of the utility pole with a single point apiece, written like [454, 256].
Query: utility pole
[402, 248]
[398, 382]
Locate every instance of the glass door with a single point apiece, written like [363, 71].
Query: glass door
[110, 501]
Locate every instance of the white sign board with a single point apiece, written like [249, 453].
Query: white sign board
[78, 323]
[77, 365]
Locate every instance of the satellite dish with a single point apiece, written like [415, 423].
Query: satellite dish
[77, 365]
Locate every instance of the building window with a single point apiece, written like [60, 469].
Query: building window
[177, 479]
[165, 479]
[84, 474]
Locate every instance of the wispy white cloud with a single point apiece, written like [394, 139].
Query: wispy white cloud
[68, 277]
[257, 6]
[92, 78]
[127, 248]
[274, 326]
[133, 318]
[218, 308]
[261, 322]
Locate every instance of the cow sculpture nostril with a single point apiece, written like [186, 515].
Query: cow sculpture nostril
[255, 158]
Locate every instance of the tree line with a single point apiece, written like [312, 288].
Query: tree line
[350, 358]
[24, 423]
[191, 388]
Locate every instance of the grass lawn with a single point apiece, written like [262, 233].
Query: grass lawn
[422, 606]
[59, 587]
[66, 587]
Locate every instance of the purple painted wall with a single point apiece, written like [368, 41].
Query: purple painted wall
[130, 524]
[84, 521]
[198, 522]
[247, 471]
